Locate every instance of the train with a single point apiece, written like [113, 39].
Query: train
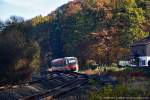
[65, 64]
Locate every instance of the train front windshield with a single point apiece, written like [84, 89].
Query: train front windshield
[72, 62]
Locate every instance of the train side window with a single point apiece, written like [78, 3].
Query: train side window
[65, 62]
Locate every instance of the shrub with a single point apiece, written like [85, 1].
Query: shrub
[106, 91]
[91, 64]
[114, 65]
[93, 82]
[94, 95]
[120, 90]
[128, 69]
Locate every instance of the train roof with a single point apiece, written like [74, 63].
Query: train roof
[60, 59]
[69, 57]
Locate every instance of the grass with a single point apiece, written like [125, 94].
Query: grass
[121, 90]
[132, 82]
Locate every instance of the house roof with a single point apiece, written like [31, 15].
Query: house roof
[144, 41]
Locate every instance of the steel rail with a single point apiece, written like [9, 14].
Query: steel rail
[59, 90]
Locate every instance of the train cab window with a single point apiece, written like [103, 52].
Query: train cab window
[72, 62]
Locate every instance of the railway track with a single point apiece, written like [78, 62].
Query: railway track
[61, 89]
[18, 85]
[71, 88]
[63, 83]
[10, 86]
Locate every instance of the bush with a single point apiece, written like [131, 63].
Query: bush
[114, 65]
[106, 91]
[94, 95]
[90, 64]
[93, 82]
[120, 90]
[128, 69]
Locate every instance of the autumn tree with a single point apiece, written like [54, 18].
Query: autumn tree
[19, 55]
[92, 30]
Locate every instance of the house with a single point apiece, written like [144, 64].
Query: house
[141, 50]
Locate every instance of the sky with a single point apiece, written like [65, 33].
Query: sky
[28, 8]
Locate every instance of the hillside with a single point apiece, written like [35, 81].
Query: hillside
[98, 31]
[88, 30]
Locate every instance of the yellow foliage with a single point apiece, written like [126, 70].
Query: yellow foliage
[40, 19]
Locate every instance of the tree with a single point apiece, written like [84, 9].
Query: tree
[128, 18]
[1, 25]
[19, 57]
[77, 29]
[16, 19]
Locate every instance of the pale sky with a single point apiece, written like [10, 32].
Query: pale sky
[28, 8]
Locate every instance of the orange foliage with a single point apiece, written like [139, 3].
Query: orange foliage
[73, 8]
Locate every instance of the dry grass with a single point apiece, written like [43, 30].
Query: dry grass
[88, 72]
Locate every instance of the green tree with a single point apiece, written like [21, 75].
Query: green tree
[1, 25]
[129, 17]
